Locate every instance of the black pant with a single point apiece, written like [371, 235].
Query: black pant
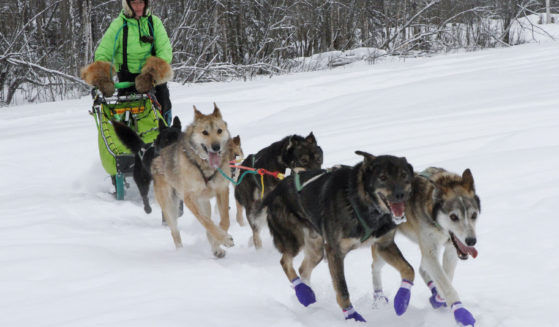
[161, 94]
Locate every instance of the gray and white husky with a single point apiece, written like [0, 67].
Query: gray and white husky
[441, 214]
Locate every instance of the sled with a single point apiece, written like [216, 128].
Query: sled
[138, 111]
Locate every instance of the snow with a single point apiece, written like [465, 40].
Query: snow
[71, 255]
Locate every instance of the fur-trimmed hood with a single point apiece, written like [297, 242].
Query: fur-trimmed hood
[128, 9]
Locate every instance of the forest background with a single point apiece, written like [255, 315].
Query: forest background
[44, 43]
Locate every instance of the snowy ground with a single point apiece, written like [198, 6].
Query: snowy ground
[71, 255]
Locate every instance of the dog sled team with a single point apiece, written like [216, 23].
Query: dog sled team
[323, 212]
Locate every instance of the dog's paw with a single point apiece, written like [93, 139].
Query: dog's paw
[147, 209]
[462, 316]
[304, 293]
[437, 301]
[402, 298]
[219, 253]
[228, 241]
[379, 300]
[350, 313]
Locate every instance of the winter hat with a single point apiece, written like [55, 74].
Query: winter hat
[128, 8]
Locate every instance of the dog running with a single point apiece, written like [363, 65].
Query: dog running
[441, 214]
[145, 153]
[294, 152]
[336, 211]
[190, 170]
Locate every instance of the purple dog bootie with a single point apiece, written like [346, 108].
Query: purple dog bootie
[350, 313]
[436, 300]
[402, 298]
[304, 293]
[462, 316]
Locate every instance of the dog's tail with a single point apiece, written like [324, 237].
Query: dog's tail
[128, 137]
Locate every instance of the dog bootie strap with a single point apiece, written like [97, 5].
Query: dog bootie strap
[350, 313]
[461, 315]
[436, 300]
[379, 299]
[304, 293]
[402, 298]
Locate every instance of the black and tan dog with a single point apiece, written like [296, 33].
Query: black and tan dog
[337, 211]
[145, 153]
[294, 152]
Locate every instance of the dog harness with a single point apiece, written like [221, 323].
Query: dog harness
[367, 231]
[206, 178]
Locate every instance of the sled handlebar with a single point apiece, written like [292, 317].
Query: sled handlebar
[123, 85]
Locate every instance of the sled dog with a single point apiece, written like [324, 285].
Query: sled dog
[337, 211]
[190, 170]
[294, 152]
[441, 214]
[145, 153]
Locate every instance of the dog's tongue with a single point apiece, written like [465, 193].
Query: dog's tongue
[215, 159]
[397, 208]
[466, 249]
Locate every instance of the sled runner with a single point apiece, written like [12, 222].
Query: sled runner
[138, 111]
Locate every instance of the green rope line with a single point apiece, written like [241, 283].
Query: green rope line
[367, 230]
[254, 172]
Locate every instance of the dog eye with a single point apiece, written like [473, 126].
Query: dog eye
[453, 217]
[404, 175]
[474, 215]
[383, 178]
[219, 131]
[205, 133]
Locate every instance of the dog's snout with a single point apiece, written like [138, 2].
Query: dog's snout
[471, 241]
[216, 147]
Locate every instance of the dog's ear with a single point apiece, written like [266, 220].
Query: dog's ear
[197, 114]
[237, 140]
[177, 123]
[162, 124]
[410, 167]
[437, 202]
[216, 113]
[368, 158]
[468, 180]
[290, 142]
[311, 139]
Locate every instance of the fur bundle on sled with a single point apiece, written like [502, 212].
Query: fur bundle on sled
[155, 71]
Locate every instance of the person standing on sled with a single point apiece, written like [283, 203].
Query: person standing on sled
[137, 47]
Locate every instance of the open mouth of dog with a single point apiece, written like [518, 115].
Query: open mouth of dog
[214, 158]
[462, 250]
[398, 209]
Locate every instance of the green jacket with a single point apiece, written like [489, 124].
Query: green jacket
[138, 51]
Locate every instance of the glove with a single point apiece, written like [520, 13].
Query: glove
[461, 315]
[350, 313]
[402, 298]
[98, 74]
[436, 300]
[144, 82]
[304, 293]
[107, 87]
